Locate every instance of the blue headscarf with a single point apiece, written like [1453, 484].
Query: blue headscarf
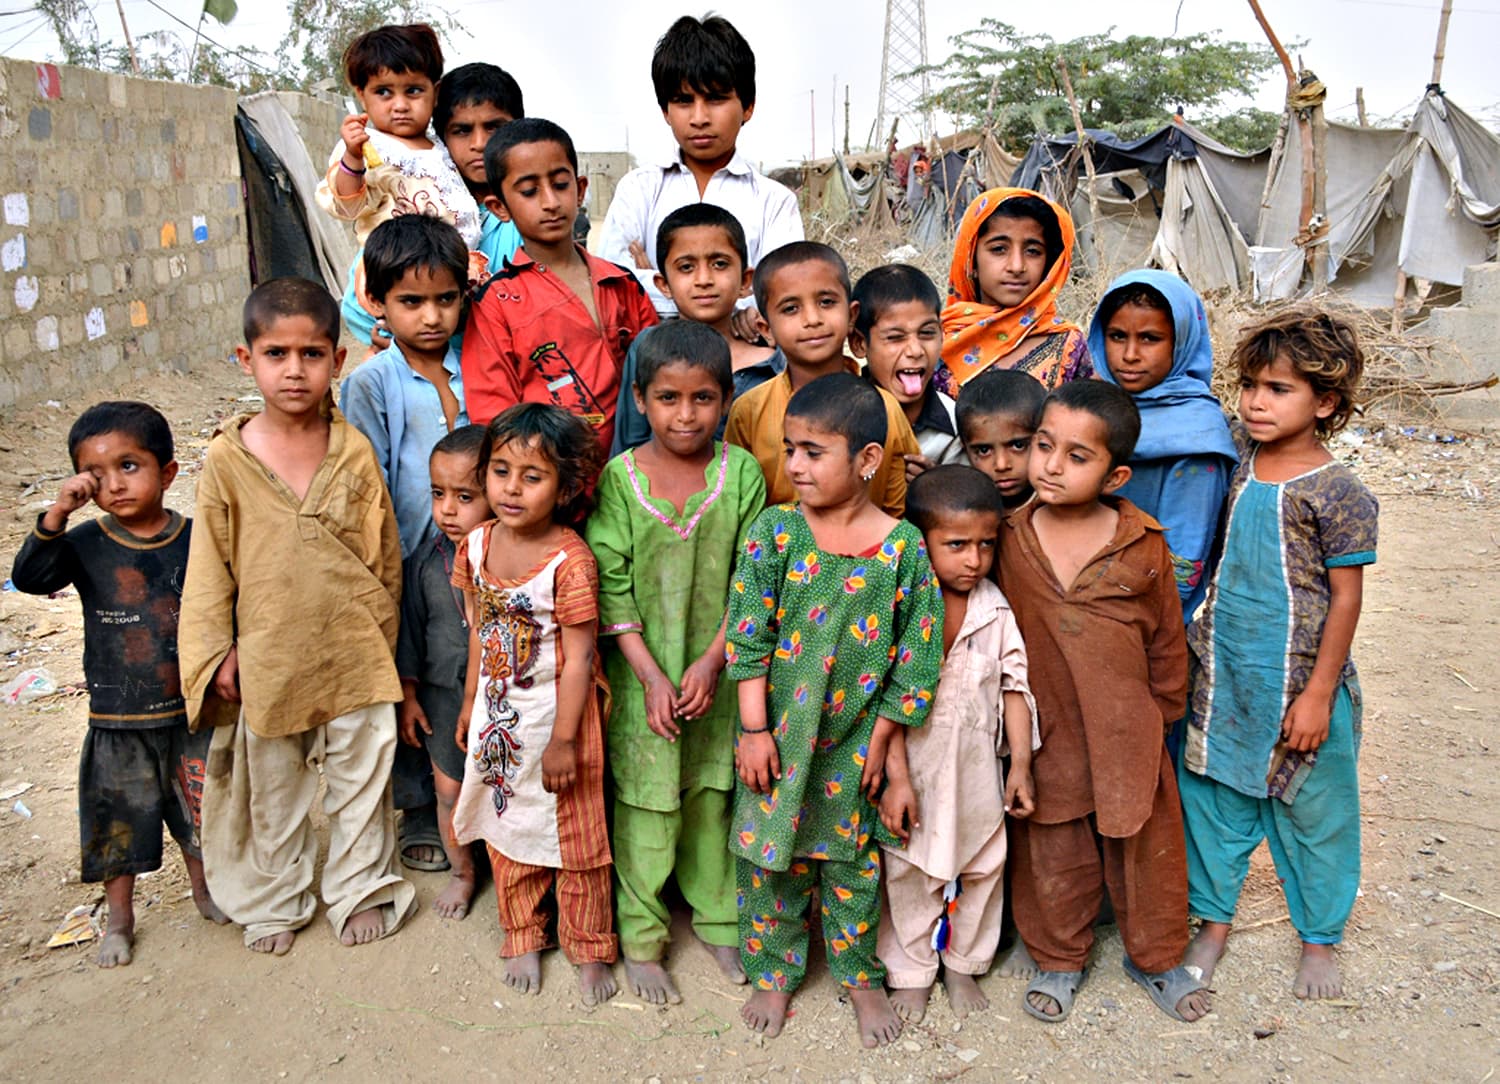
[1180, 416]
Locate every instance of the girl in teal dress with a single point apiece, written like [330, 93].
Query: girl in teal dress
[835, 637]
[1274, 720]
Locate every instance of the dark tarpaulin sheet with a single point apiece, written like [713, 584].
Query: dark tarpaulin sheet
[279, 242]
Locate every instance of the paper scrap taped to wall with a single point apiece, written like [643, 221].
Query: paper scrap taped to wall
[200, 229]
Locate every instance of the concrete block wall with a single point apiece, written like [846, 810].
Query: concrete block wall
[1471, 327]
[122, 230]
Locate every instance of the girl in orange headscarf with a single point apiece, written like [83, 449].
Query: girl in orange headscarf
[1010, 259]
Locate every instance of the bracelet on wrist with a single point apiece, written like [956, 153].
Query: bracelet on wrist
[352, 172]
[762, 730]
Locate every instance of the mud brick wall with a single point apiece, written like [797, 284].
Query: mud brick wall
[122, 231]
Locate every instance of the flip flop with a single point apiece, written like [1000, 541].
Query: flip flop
[1166, 988]
[1061, 986]
[419, 828]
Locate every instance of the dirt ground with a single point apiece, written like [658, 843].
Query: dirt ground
[1421, 960]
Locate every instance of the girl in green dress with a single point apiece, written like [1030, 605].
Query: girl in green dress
[670, 519]
[835, 637]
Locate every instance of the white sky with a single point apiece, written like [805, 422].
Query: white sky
[586, 63]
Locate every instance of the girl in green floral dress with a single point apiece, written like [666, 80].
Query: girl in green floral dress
[835, 637]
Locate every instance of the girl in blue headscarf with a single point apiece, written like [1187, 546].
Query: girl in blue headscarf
[1150, 336]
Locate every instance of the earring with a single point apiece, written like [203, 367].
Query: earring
[867, 476]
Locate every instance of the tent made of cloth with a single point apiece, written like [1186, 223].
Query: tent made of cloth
[1423, 200]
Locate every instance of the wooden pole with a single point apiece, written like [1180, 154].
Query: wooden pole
[1359, 104]
[812, 123]
[135, 65]
[1318, 246]
[846, 119]
[1398, 306]
[1442, 43]
[1088, 159]
[1304, 132]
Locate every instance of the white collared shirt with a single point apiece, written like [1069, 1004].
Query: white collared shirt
[767, 210]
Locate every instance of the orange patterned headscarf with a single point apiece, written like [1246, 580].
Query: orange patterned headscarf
[975, 333]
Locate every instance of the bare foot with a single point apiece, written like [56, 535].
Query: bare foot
[453, 900]
[964, 994]
[523, 973]
[1318, 973]
[651, 982]
[878, 1023]
[728, 959]
[910, 1003]
[765, 1012]
[114, 950]
[1205, 951]
[596, 982]
[1018, 963]
[208, 908]
[278, 944]
[364, 927]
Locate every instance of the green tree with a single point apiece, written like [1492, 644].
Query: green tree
[322, 30]
[1128, 85]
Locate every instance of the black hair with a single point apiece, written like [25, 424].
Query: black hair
[844, 404]
[1133, 293]
[517, 132]
[410, 241]
[1040, 212]
[278, 298]
[476, 84]
[466, 440]
[1112, 405]
[950, 490]
[687, 342]
[141, 422]
[412, 48]
[700, 214]
[1000, 391]
[892, 284]
[794, 253]
[567, 443]
[707, 55]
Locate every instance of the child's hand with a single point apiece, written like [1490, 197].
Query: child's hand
[559, 766]
[1306, 724]
[898, 808]
[638, 254]
[749, 326]
[661, 706]
[76, 492]
[354, 135]
[916, 464]
[410, 715]
[461, 731]
[700, 682]
[872, 776]
[1020, 793]
[227, 677]
[757, 761]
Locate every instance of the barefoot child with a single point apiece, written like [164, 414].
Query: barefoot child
[1011, 258]
[833, 637]
[432, 651]
[899, 336]
[943, 889]
[1090, 579]
[552, 325]
[533, 786]
[290, 610]
[997, 420]
[670, 519]
[141, 768]
[1150, 336]
[385, 164]
[1274, 731]
[705, 270]
[803, 289]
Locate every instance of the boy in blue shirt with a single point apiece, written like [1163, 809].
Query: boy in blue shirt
[405, 399]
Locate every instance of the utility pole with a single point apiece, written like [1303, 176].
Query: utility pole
[904, 84]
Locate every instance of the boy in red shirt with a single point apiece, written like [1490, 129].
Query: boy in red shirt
[553, 324]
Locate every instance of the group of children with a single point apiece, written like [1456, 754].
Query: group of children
[910, 636]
